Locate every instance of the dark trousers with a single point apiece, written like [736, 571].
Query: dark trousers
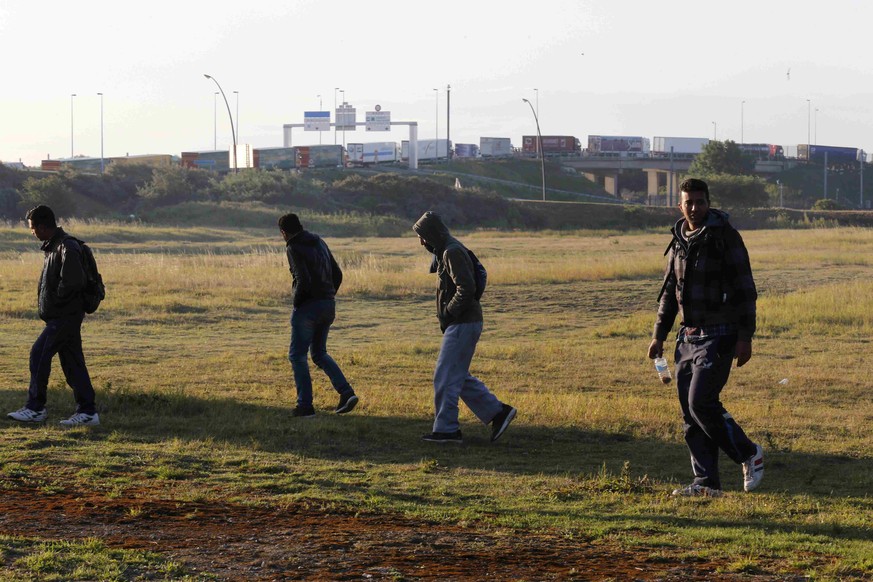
[310, 324]
[702, 370]
[62, 336]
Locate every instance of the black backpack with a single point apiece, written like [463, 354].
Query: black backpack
[94, 291]
[479, 274]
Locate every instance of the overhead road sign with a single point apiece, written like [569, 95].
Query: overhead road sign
[316, 121]
[378, 121]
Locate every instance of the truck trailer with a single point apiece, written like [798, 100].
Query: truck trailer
[621, 146]
[553, 145]
[683, 147]
[835, 154]
[428, 149]
[494, 147]
[365, 154]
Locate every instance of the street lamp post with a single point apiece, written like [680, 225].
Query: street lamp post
[742, 121]
[448, 119]
[539, 147]
[343, 92]
[714, 131]
[237, 111]
[101, 132]
[808, 117]
[537, 92]
[436, 131]
[215, 121]
[815, 128]
[232, 128]
[335, 89]
[319, 109]
[72, 148]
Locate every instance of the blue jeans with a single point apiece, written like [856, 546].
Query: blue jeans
[61, 336]
[310, 324]
[452, 379]
[702, 370]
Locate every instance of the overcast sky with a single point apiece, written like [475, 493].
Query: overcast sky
[669, 68]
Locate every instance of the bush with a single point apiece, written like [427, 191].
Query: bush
[826, 204]
[53, 191]
[174, 185]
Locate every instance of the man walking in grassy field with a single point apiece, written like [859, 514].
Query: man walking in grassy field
[709, 282]
[460, 317]
[61, 307]
[316, 278]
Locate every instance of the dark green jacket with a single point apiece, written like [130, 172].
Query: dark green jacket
[63, 277]
[456, 288]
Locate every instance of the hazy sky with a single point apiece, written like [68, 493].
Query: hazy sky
[668, 68]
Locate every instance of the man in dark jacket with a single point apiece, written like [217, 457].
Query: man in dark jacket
[709, 282]
[316, 279]
[460, 317]
[61, 308]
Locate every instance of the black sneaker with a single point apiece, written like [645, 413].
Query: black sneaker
[501, 422]
[303, 412]
[443, 437]
[346, 403]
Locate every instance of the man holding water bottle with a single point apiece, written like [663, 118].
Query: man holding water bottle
[708, 282]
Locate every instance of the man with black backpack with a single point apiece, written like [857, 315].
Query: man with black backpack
[61, 299]
[708, 283]
[460, 317]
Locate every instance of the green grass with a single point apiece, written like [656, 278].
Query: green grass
[188, 355]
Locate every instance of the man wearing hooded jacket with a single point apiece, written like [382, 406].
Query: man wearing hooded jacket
[316, 279]
[460, 318]
[708, 281]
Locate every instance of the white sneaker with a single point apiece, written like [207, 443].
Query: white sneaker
[27, 415]
[82, 419]
[753, 469]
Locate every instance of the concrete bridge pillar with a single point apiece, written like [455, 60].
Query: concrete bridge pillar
[652, 182]
[610, 184]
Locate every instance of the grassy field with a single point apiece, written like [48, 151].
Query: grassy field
[188, 356]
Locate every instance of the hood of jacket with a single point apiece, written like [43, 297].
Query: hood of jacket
[433, 230]
[305, 238]
[714, 219]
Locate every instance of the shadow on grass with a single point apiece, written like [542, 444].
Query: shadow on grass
[524, 448]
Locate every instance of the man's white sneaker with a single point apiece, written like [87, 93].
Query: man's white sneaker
[753, 470]
[82, 419]
[27, 415]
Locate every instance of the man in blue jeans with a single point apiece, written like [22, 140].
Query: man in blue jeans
[316, 279]
[62, 309]
[460, 317]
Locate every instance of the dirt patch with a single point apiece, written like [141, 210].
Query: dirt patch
[237, 542]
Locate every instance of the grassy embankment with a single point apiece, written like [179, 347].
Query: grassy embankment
[188, 358]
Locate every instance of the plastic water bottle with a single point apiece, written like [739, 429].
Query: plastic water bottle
[663, 370]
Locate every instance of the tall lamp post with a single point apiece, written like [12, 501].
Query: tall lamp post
[335, 89]
[215, 121]
[742, 121]
[319, 108]
[808, 117]
[815, 128]
[539, 147]
[714, 131]
[237, 112]
[72, 148]
[436, 131]
[101, 132]
[537, 92]
[343, 93]
[229, 115]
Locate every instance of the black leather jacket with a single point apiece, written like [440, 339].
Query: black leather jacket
[63, 278]
[315, 273]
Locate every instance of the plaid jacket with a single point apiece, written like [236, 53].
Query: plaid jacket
[708, 280]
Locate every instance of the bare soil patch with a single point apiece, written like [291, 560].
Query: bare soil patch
[239, 542]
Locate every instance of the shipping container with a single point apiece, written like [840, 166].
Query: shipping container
[466, 150]
[428, 149]
[762, 151]
[835, 154]
[153, 160]
[212, 160]
[552, 145]
[364, 154]
[275, 158]
[681, 146]
[495, 147]
[623, 146]
[320, 156]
